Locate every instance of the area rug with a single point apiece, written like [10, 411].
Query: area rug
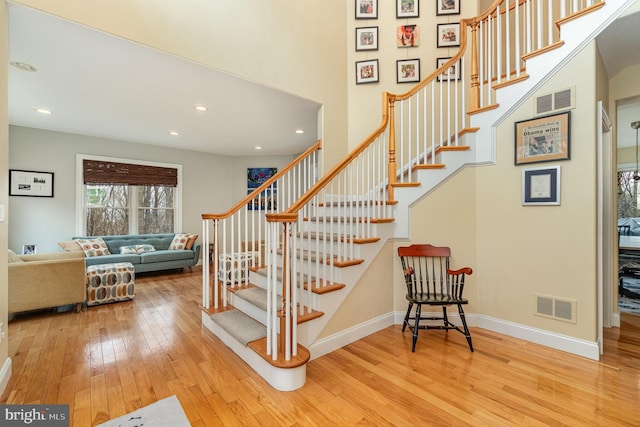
[163, 413]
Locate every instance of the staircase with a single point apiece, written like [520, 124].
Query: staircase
[278, 277]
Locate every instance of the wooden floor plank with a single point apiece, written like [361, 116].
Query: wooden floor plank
[110, 360]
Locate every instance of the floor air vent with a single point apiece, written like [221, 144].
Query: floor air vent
[551, 102]
[556, 308]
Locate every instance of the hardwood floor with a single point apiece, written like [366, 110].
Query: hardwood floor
[112, 359]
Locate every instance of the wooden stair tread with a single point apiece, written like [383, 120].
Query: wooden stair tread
[322, 289]
[260, 347]
[337, 238]
[354, 220]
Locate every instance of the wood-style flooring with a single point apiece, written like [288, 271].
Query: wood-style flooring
[112, 359]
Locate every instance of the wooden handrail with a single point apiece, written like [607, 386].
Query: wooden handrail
[290, 214]
[388, 101]
[265, 185]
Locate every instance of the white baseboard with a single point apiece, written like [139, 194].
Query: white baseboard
[328, 344]
[5, 374]
[588, 349]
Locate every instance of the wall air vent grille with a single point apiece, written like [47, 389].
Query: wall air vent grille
[555, 308]
[563, 99]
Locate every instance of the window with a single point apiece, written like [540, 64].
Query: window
[128, 197]
[627, 195]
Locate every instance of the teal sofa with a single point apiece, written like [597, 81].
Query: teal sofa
[162, 258]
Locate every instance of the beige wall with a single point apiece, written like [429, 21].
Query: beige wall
[517, 250]
[365, 100]
[623, 85]
[305, 39]
[4, 177]
[372, 296]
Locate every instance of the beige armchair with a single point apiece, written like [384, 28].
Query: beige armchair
[46, 280]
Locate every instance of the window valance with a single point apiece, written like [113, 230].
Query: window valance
[105, 172]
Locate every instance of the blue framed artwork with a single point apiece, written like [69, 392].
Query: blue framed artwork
[267, 199]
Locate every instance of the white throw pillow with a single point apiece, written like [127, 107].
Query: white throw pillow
[93, 247]
[179, 241]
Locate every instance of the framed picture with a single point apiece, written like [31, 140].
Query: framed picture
[541, 186]
[448, 35]
[450, 74]
[448, 7]
[408, 70]
[29, 249]
[408, 35]
[407, 9]
[366, 38]
[367, 71]
[255, 178]
[30, 183]
[366, 9]
[542, 139]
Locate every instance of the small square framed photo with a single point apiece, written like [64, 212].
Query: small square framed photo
[407, 9]
[448, 7]
[366, 38]
[367, 72]
[29, 249]
[541, 186]
[448, 35]
[408, 70]
[366, 9]
[408, 35]
[450, 74]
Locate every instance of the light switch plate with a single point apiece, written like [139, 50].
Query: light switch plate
[1, 213]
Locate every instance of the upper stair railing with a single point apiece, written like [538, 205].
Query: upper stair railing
[309, 242]
[235, 240]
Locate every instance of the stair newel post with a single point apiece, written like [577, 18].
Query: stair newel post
[474, 93]
[391, 99]
[218, 285]
[286, 339]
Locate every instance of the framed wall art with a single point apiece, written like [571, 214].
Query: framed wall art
[367, 71]
[366, 9]
[448, 35]
[30, 183]
[366, 38]
[448, 7]
[407, 8]
[450, 74]
[541, 186]
[408, 36]
[408, 70]
[29, 249]
[266, 200]
[543, 139]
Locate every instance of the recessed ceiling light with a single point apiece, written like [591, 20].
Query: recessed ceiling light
[258, 147]
[201, 108]
[174, 133]
[23, 66]
[43, 111]
[299, 131]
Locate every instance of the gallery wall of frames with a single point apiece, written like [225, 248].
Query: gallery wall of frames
[420, 24]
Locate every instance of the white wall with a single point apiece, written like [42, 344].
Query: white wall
[295, 46]
[211, 183]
